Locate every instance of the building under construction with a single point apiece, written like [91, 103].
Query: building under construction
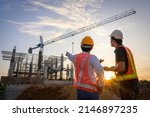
[32, 68]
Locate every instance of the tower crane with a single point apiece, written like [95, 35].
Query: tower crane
[83, 29]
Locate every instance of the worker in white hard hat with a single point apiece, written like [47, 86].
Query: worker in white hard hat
[124, 69]
[89, 74]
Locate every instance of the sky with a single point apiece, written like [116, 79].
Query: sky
[23, 21]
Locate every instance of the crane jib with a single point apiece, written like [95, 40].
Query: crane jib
[86, 28]
[92, 26]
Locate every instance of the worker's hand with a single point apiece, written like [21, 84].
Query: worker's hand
[101, 60]
[66, 53]
[106, 68]
[113, 68]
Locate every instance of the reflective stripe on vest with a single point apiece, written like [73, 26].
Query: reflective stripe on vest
[131, 73]
[79, 83]
[86, 86]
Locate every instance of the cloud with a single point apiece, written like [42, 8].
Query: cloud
[38, 27]
[34, 28]
[83, 11]
[71, 15]
[57, 23]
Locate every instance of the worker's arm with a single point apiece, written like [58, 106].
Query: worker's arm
[119, 68]
[99, 71]
[70, 57]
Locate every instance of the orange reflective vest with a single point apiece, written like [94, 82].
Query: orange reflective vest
[131, 72]
[82, 79]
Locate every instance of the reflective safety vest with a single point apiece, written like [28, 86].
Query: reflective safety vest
[82, 79]
[131, 72]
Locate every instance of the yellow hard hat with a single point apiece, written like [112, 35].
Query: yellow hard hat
[87, 40]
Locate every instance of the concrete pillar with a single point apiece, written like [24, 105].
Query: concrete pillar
[72, 73]
[45, 72]
[56, 65]
[51, 71]
[12, 63]
[67, 72]
[31, 68]
[61, 67]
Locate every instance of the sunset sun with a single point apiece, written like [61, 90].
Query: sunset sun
[109, 75]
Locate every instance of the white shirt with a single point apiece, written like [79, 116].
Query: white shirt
[94, 67]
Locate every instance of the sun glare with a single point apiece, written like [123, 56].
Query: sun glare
[109, 75]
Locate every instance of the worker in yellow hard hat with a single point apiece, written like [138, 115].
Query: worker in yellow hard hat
[125, 68]
[89, 86]
[87, 41]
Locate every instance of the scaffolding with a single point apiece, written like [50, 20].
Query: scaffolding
[24, 68]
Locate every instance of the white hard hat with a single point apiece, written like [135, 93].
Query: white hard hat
[117, 34]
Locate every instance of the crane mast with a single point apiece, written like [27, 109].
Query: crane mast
[86, 28]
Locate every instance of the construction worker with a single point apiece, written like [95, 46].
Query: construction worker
[125, 68]
[89, 74]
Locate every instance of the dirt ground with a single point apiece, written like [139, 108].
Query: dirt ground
[54, 92]
[67, 92]
[59, 93]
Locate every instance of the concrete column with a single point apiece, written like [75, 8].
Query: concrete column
[72, 73]
[56, 65]
[61, 67]
[45, 72]
[12, 63]
[67, 72]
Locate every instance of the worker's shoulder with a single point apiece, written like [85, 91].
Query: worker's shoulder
[120, 50]
[93, 57]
